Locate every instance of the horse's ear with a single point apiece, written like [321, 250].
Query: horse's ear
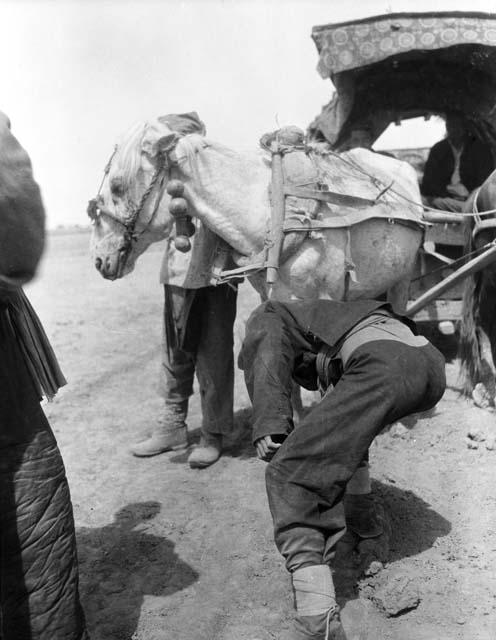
[167, 142]
[158, 139]
[4, 120]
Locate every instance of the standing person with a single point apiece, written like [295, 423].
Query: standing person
[39, 597]
[197, 337]
[373, 370]
[455, 166]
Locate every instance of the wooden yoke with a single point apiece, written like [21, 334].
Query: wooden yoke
[277, 197]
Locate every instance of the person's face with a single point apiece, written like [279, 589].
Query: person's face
[360, 138]
[455, 129]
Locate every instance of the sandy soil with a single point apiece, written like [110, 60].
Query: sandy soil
[170, 553]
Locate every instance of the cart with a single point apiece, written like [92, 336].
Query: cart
[393, 67]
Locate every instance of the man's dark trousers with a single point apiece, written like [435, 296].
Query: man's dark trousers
[382, 382]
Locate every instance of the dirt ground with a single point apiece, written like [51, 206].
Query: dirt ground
[170, 553]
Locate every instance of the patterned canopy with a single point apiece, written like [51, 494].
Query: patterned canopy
[395, 66]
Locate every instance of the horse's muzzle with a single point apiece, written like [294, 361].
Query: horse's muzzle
[111, 267]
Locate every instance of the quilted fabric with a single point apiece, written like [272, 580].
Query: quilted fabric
[38, 564]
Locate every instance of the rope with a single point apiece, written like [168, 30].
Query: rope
[375, 180]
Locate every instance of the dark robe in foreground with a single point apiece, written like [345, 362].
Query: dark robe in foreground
[39, 597]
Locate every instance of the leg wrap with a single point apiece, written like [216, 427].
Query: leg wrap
[314, 590]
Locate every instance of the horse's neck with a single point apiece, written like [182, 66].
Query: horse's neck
[229, 193]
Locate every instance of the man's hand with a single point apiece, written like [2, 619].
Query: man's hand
[458, 191]
[266, 448]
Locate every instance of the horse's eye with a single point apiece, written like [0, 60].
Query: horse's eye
[93, 209]
[117, 186]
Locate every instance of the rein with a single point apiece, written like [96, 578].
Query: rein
[95, 210]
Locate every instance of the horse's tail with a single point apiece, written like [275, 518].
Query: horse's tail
[468, 349]
[468, 345]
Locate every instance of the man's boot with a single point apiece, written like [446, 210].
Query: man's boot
[362, 516]
[317, 611]
[170, 434]
[207, 452]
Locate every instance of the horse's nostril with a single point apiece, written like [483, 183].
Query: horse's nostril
[98, 263]
[107, 264]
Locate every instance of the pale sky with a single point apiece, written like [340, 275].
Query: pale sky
[77, 73]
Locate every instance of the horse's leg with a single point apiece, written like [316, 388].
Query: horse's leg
[484, 392]
[484, 389]
[397, 295]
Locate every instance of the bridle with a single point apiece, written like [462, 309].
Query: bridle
[95, 209]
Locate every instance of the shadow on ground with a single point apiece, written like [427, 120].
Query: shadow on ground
[122, 558]
[411, 526]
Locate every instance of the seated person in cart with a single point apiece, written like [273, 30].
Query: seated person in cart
[456, 166]
[372, 370]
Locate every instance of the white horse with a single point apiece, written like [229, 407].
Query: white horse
[228, 192]
[367, 252]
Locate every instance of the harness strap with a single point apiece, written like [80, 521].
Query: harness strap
[277, 214]
[331, 197]
[222, 253]
[329, 366]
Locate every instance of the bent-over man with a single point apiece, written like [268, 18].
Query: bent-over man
[372, 369]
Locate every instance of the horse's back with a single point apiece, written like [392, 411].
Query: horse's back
[368, 250]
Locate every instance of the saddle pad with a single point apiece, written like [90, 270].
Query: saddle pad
[364, 173]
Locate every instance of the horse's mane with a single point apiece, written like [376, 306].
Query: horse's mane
[129, 152]
[190, 147]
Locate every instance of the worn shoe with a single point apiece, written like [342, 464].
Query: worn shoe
[207, 452]
[325, 626]
[170, 433]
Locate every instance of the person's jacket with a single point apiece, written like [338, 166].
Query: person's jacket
[476, 164]
[325, 323]
[22, 235]
[22, 215]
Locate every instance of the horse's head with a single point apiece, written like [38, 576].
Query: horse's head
[131, 210]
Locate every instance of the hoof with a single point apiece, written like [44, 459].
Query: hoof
[482, 397]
